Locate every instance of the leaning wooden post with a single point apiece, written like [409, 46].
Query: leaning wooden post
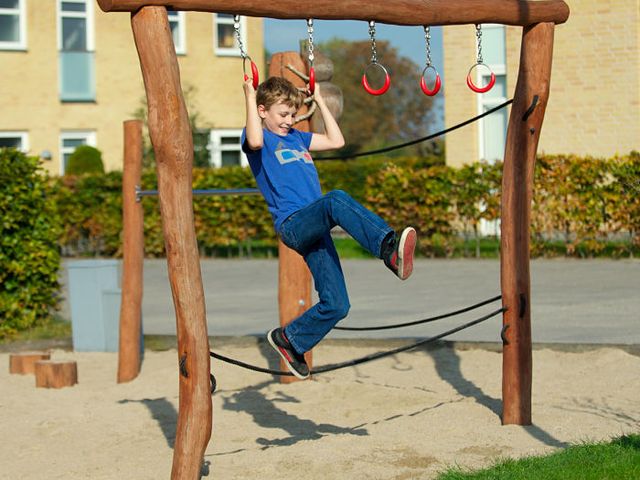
[527, 113]
[132, 255]
[294, 278]
[173, 145]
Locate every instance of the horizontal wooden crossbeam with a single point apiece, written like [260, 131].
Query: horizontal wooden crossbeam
[398, 12]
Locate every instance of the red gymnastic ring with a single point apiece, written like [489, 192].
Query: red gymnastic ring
[381, 90]
[312, 80]
[423, 82]
[254, 72]
[487, 87]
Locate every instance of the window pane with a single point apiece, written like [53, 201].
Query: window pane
[11, 142]
[175, 32]
[226, 16]
[9, 3]
[493, 46]
[74, 34]
[9, 28]
[173, 15]
[73, 7]
[495, 132]
[73, 142]
[499, 90]
[226, 37]
[230, 158]
[230, 141]
[77, 76]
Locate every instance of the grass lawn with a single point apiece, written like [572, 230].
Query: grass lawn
[618, 459]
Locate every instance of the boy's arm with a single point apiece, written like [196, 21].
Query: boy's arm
[254, 123]
[332, 138]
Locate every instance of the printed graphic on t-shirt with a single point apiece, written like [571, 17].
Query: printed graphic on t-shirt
[288, 155]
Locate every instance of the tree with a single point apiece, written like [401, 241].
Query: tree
[403, 113]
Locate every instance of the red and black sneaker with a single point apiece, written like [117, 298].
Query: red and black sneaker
[295, 361]
[401, 260]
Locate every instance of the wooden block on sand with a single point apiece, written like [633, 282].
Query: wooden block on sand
[25, 362]
[56, 374]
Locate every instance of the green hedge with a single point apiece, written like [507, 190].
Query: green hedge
[29, 232]
[582, 202]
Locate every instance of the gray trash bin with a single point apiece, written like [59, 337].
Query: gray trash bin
[94, 298]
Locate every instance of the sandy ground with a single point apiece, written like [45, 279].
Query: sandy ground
[403, 417]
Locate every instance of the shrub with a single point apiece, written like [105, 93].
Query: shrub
[85, 159]
[29, 258]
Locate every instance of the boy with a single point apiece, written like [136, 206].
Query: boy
[280, 161]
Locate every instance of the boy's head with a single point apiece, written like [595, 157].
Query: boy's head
[278, 101]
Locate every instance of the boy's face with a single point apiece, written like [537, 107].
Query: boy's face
[278, 118]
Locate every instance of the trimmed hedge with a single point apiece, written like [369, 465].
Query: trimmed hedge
[29, 232]
[582, 202]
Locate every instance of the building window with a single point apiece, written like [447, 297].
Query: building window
[69, 141]
[177, 24]
[13, 25]
[76, 45]
[224, 35]
[225, 149]
[493, 128]
[17, 140]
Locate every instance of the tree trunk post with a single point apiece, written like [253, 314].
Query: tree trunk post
[173, 145]
[525, 121]
[294, 278]
[132, 255]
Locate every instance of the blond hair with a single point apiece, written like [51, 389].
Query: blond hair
[278, 89]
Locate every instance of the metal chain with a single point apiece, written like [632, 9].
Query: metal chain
[427, 39]
[236, 28]
[479, 37]
[372, 34]
[310, 44]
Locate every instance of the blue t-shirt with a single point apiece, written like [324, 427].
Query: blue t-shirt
[284, 172]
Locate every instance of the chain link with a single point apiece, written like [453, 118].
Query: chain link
[310, 43]
[372, 34]
[427, 39]
[236, 28]
[479, 37]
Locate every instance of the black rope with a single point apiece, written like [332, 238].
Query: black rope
[367, 358]
[417, 140]
[425, 320]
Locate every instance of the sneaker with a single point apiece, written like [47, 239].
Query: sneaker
[295, 362]
[401, 260]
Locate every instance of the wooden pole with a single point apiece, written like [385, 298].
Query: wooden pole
[398, 12]
[525, 122]
[132, 255]
[294, 278]
[173, 145]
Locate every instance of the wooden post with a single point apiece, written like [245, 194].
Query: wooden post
[525, 122]
[132, 256]
[173, 145]
[56, 374]
[294, 278]
[24, 363]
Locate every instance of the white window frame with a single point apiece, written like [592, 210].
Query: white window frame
[180, 18]
[216, 147]
[225, 51]
[21, 12]
[88, 15]
[23, 136]
[89, 137]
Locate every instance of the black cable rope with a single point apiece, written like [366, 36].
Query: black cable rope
[367, 358]
[425, 320]
[418, 140]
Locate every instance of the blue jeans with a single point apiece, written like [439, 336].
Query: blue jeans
[307, 232]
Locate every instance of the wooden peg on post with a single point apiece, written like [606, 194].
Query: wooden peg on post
[173, 145]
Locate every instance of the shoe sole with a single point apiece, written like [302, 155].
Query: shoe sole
[405, 252]
[284, 358]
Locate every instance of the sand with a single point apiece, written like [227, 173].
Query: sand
[404, 417]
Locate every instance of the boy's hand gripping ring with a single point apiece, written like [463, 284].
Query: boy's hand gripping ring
[487, 87]
[387, 80]
[254, 72]
[423, 82]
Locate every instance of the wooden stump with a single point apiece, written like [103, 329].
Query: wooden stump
[55, 374]
[24, 363]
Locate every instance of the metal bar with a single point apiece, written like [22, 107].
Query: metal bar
[217, 192]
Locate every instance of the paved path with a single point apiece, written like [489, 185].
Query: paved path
[574, 301]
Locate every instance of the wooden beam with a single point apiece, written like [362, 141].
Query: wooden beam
[132, 256]
[173, 145]
[525, 122]
[398, 12]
